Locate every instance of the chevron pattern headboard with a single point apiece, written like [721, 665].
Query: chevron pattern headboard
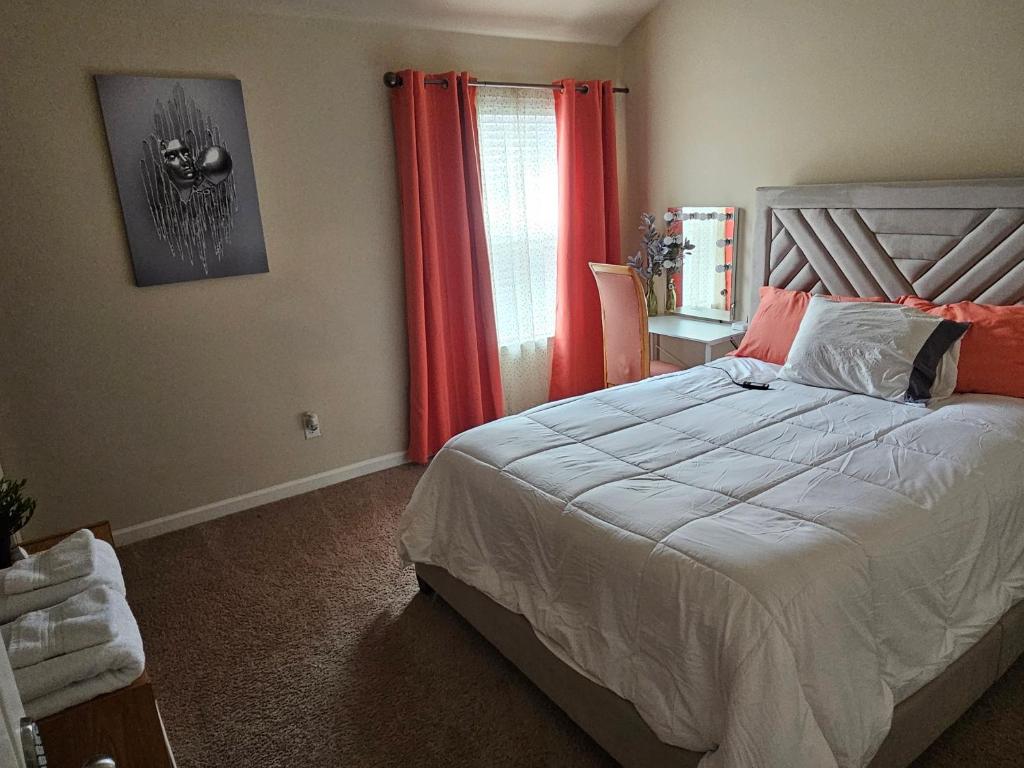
[943, 241]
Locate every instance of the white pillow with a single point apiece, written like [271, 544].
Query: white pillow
[882, 350]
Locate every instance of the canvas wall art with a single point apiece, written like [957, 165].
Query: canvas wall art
[183, 165]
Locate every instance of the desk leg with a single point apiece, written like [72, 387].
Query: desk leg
[656, 346]
[707, 354]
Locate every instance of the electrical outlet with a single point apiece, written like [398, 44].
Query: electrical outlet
[310, 425]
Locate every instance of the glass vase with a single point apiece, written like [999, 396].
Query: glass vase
[670, 294]
[652, 299]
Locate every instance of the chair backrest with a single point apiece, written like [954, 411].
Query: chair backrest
[627, 355]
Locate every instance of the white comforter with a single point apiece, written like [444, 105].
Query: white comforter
[763, 574]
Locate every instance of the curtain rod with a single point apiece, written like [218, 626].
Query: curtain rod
[394, 80]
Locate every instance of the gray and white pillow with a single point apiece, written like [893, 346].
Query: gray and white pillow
[882, 350]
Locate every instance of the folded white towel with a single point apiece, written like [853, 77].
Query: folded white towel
[86, 646]
[66, 560]
[102, 567]
[83, 621]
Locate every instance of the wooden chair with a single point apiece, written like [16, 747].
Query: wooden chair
[627, 349]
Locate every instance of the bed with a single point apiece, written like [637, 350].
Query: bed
[702, 574]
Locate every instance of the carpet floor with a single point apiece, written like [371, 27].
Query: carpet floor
[292, 635]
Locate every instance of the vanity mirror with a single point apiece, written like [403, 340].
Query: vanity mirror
[705, 286]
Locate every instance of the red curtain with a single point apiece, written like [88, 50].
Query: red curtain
[588, 230]
[454, 379]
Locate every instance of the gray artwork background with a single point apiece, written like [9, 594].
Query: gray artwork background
[129, 103]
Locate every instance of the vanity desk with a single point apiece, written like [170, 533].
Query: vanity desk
[705, 282]
[704, 332]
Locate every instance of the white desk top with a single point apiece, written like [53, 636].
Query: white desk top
[679, 327]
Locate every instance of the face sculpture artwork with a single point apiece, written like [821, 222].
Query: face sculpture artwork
[187, 176]
[213, 168]
[178, 164]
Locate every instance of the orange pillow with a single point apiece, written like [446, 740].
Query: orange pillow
[776, 322]
[918, 303]
[992, 351]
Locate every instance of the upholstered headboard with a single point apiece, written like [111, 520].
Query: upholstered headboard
[945, 241]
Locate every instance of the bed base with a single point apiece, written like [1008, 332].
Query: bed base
[615, 724]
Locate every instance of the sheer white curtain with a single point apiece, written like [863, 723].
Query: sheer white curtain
[520, 179]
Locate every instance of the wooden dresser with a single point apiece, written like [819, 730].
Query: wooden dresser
[124, 724]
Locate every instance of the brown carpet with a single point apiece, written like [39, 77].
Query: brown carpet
[291, 635]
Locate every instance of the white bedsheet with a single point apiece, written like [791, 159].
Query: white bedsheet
[763, 574]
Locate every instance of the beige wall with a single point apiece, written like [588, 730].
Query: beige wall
[729, 95]
[127, 403]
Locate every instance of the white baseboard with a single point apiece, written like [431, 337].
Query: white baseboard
[189, 517]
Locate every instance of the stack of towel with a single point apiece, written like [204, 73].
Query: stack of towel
[73, 636]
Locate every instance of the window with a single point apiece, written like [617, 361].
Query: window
[519, 166]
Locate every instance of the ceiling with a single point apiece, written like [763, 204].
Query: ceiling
[590, 21]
